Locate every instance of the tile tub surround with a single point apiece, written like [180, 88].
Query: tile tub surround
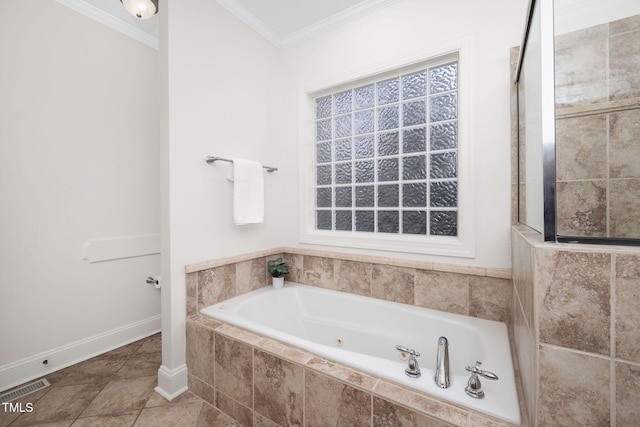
[577, 331]
[474, 291]
[262, 382]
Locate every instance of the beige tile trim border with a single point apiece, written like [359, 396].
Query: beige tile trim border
[500, 273]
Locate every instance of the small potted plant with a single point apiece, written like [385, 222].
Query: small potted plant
[278, 269]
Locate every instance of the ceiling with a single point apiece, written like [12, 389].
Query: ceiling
[283, 22]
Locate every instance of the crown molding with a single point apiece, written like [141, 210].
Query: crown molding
[327, 24]
[112, 22]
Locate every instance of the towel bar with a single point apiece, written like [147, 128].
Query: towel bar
[211, 159]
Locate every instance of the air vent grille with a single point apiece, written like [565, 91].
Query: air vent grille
[24, 390]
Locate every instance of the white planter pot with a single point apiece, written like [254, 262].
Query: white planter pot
[278, 282]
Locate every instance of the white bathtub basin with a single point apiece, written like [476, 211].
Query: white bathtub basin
[362, 332]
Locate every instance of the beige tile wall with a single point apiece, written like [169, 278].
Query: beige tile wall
[473, 291]
[261, 382]
[577, 331]
[597, 128]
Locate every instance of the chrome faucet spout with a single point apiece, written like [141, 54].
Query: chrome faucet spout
[441, 376]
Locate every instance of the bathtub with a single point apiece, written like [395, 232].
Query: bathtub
[363, 332]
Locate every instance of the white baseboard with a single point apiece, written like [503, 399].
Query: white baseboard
[172, 383]
[27, 369]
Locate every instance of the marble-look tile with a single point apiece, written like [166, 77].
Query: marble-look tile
[59, 404]
[156, 400]
[624, 150]
[573, 299]
[286, 351]
[624, 65]
[523, 268]
[581, 68]
[260, 421]
[200, 352]
[393, 283]
[343, 373]
[420, 401]
[296, 267]
[525, 356]
[191, 283]
[234, 369]
[631, 23]
[353, 277]
[178, 415]
[120, 420]
[627, 285]
[141, 365]
[278, 389]
[215, 285]
[387, 414]
[574, 389]
[237, 411]
[318, 271]
[121, 396]
[581, 146]
[151, 344]
[624, 208]
[251, 275]
[627, 394]
[490, 298]
[201, 389]
[442, 291]
[331, 403]
[210, 416]
[582, 208]
[96, 370]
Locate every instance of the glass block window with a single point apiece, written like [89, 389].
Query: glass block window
[386, 155]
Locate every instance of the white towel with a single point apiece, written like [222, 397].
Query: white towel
[248, 191]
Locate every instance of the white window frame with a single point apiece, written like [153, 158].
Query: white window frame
[463, 245]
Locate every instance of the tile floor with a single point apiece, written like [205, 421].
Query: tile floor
[113, 390]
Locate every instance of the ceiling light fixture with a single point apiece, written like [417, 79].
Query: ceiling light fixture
[142, 9]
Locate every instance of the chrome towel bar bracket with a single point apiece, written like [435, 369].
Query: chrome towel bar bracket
[211, 159]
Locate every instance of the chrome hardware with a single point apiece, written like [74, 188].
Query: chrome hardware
[474, 387]
[212, 159]
[413, 370]
[441, 376]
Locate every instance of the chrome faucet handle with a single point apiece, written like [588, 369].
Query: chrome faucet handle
[474, 387]
[476, 370]
[407, 350]
[413, 370]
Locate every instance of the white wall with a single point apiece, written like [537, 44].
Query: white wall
[79, 154]
[495, 26]
[221, 89]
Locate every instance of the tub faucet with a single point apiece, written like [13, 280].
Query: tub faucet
[413, 370]
[441, 377]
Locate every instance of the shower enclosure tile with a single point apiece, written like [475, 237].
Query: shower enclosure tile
[627, 322]
[624, 208]
[627, 392]
[624, 149]
[573, 299]
[581, 71]
[575, 390]
[624, 65]
[582, 208]
[581, 148]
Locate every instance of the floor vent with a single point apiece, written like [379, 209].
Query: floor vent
[24, 390]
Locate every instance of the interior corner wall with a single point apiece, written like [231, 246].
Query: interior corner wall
[78, 161]
[409, 25]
